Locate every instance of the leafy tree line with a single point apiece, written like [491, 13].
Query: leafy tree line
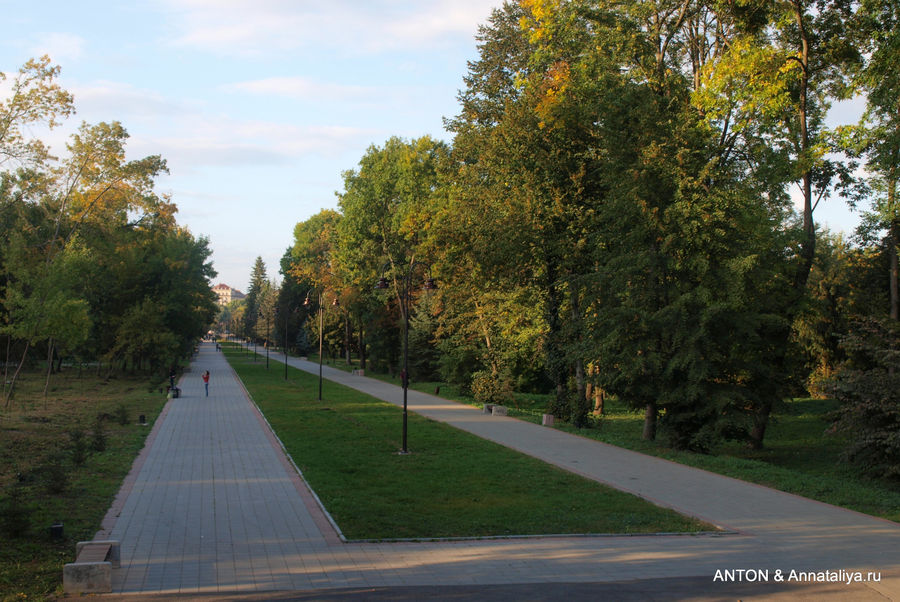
[92, 262]
[614, 212]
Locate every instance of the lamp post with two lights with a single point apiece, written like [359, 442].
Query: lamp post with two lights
[428, 285]
[306, 303]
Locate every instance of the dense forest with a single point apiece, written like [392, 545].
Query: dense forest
[627, 207]
[94, 268]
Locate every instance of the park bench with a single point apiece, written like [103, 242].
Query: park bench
[91, 573]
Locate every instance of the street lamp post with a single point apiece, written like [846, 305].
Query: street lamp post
[268, 332]
[321, 296]
[429, 285]
[287, 314]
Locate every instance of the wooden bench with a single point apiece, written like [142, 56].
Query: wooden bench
[91, 573]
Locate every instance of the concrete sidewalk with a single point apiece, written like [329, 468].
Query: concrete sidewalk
[213, 506]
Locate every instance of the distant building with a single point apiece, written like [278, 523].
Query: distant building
[227, 294]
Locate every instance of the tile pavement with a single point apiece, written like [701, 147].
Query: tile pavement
[214, 507]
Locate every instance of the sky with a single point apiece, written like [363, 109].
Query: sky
[258, 106]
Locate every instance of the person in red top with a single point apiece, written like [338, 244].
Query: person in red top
[206, 382]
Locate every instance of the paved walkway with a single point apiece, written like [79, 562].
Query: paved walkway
[212, 506]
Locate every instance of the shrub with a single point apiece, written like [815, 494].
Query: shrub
[79, 447]
[54, 473]
[15, 514]
[121, 414]
[98, 439]
[493, 388]
[868, 388]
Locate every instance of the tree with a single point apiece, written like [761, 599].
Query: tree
[771, 88]
[291, 311]
[254, 291]
[868, 387]
[93, 262]
[35, 99]
[527, 196]
[383, 222]
[878, 137]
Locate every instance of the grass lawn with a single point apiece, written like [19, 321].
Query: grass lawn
[453, 484]
[800, 456]
[38, 470]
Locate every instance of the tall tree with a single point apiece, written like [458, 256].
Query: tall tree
[384, 220]
[35, 99]
[879, 139]
[254, 291]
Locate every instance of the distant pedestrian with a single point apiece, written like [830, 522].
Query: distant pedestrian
[206, 382]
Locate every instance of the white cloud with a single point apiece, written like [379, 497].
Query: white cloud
[62, 47]
[223, 142]
[300, 88]
[242, 28]
[115, 100]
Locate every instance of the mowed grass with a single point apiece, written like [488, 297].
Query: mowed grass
[801, 455]
[36, 452]
[452, 484]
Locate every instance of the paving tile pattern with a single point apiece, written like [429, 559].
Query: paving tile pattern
[213, 506]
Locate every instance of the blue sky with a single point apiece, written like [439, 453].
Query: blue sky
[258, 106]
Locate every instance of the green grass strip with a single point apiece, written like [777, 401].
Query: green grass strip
[453, 484]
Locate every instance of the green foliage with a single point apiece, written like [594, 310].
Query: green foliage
[618, 195]
[492, 388]
[34, 463]
[35, 99]
[458, 362]
[99, 439]
[868, 388]
[78, 447]
[93, 264]
[16, 514]
[121, 414]
[346, 447]
[54, 473]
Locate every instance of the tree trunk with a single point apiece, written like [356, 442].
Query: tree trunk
[6, 363]
[347, 336]
[582, 406]
[555, 363]
[597, 393]
[49, 367]
[893, 241]
[649, 432]
[362, 347]
[12, 384]
[808, 243]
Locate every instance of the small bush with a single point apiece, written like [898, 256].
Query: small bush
[54, 473]
[15, 514]
[868, 389]
[492, 388]
[121, 414]
[98, 439]
[79, 447]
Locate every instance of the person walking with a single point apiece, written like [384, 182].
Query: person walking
[206, 382]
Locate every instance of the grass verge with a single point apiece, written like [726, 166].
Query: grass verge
[50, 473]
[801, 455]
[453, 484]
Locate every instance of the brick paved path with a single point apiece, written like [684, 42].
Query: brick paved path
[213, 506]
